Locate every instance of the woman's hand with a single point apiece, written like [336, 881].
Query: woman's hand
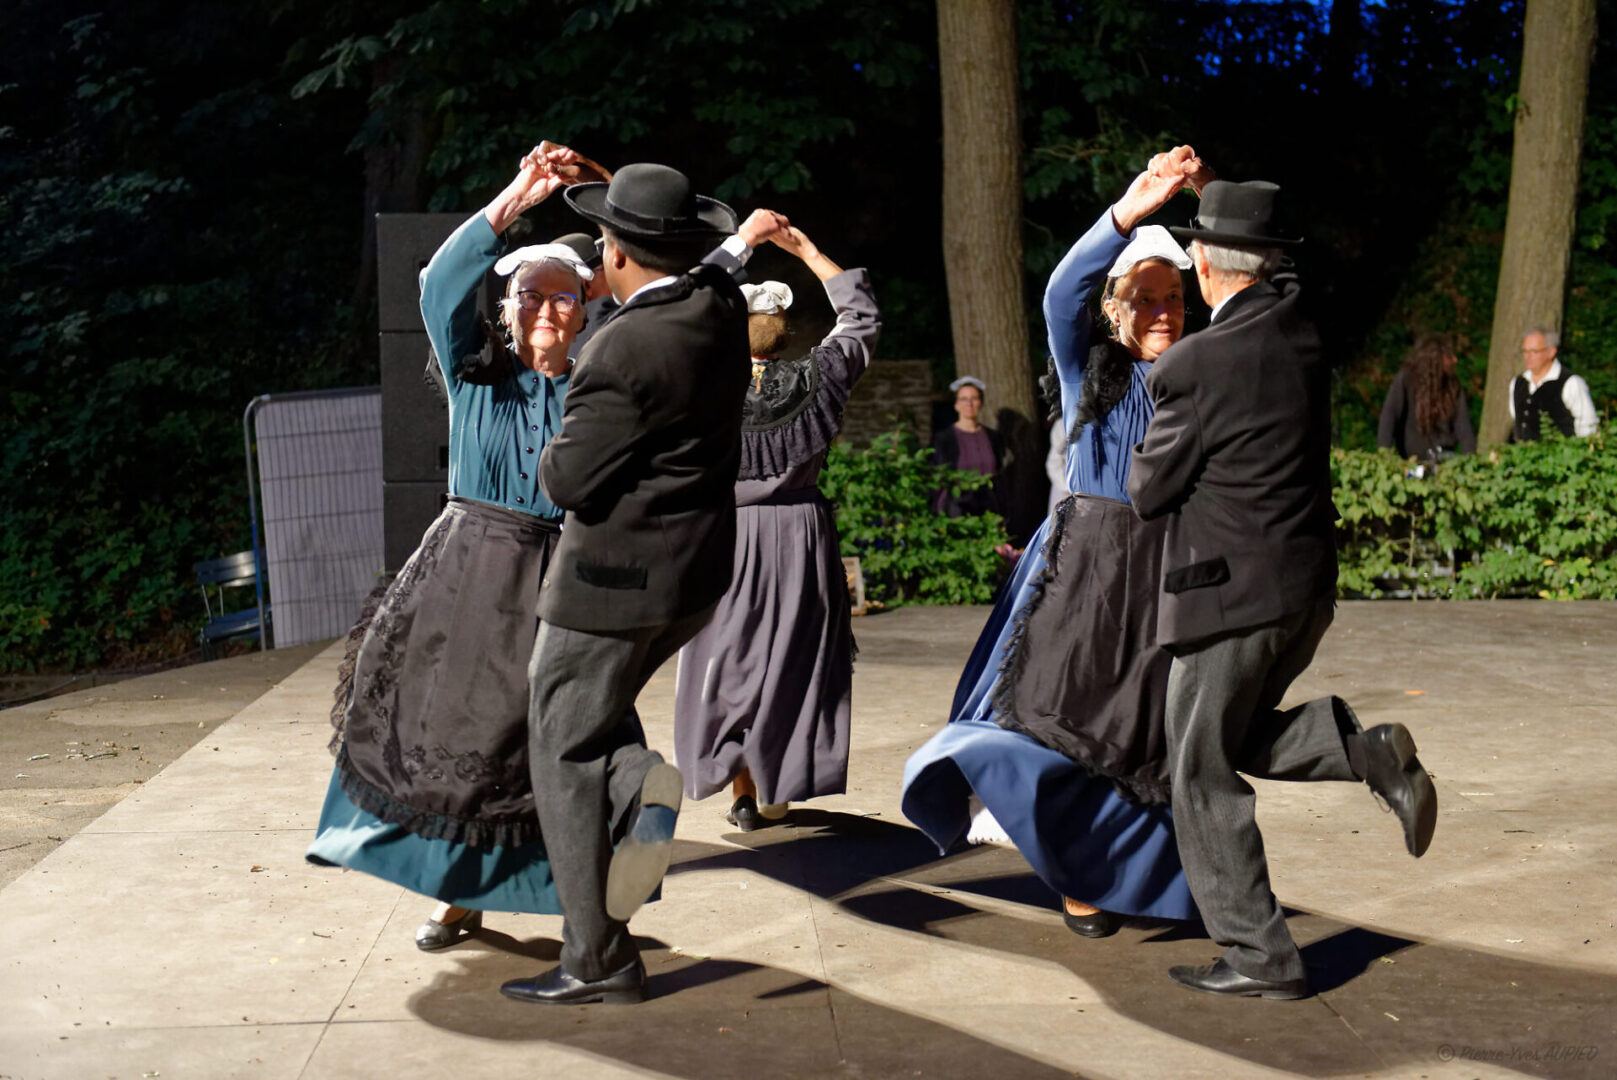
[1163, 177]
[791, 239]
[761, 225]
[536, 180]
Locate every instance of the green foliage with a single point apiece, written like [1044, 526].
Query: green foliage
[908, 552]
[1537, 519]
[146, 294]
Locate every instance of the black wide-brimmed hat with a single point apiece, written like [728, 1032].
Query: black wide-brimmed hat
[651, 202]
[586, 247]
[1237, 214]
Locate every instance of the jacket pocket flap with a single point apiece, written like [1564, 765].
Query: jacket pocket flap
[1196, 576]
[611, 577]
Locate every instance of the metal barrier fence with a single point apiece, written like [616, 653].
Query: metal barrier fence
[319, 467]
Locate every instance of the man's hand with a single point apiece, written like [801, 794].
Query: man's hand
[762, 225]
[571, 166]
[1163, 177]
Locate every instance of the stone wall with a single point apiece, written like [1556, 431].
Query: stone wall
[891, 392]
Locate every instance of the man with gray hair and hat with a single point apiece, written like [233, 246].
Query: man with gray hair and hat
[1237, 458]
[645, 466]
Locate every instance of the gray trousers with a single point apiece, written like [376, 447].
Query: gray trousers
[588, 755]
[1221, 719]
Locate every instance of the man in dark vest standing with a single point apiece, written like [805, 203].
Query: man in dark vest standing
[645, 466]
[1237, 456]
[1547, 391]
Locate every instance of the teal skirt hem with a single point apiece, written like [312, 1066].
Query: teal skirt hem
[486, 879]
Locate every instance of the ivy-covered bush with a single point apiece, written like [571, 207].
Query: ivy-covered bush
[910, 554]
[1539, 519]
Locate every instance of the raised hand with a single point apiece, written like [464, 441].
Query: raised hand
[762, 225]
[536, 180]
[571, 166]
[792, 239]
[1164, 175]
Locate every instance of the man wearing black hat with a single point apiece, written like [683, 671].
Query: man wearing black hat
[1237, 456]
[731, 256]
[645, 466]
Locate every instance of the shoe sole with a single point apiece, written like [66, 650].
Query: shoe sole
[1272, 995]
[611, 997]
[641, 860]
[1418, 833]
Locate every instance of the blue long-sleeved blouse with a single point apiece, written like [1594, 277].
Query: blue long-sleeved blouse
[1098, 464]
[497, 432]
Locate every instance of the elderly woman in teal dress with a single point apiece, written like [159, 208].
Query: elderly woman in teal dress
[431, 787]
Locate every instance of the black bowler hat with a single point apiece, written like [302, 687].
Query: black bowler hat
[651, 202]
[1238, 214]
[585, 246]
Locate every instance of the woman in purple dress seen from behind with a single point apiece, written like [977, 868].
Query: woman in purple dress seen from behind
[764, 691]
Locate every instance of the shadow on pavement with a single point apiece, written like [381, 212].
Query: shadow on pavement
[1382, 1002]
[717, 1019]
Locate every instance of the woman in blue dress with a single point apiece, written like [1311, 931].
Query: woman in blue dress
[1055, 738]
[431, 789]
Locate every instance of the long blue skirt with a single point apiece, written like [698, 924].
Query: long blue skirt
[1078, 834]
[486, 879]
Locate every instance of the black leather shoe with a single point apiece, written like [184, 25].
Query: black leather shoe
[1097, 925]
[559, 987]
[744, 814]
[1220, 978]
[641, 859]
[433, 935]
[1395, 774]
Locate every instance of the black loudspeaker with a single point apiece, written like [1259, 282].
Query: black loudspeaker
[407, 510]
[404, 244]
[415, 420]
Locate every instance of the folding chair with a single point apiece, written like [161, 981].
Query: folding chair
[215, 576]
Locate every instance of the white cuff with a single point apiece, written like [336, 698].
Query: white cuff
[737, 247]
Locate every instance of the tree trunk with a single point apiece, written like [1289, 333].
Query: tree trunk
[1558, 41]
[979, 73]
[394, 171]
[982, 196]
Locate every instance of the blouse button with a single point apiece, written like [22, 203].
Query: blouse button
[529, 449]
[520, 499]
[523, 475]
[533, 427]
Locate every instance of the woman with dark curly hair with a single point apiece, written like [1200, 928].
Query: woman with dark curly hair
[1425, 414]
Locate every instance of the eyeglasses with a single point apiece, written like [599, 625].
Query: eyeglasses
[563, 302]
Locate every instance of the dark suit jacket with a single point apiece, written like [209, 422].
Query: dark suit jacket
[1238, 453]
[645, 463]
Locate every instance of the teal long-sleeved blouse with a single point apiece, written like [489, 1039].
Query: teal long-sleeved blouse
[496, 432]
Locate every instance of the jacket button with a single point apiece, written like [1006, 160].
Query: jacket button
[530, 449]
[545, 584]
[523, 475]
[533, 427]
[520, 499]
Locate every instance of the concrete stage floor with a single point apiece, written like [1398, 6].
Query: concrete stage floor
[181, 934]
